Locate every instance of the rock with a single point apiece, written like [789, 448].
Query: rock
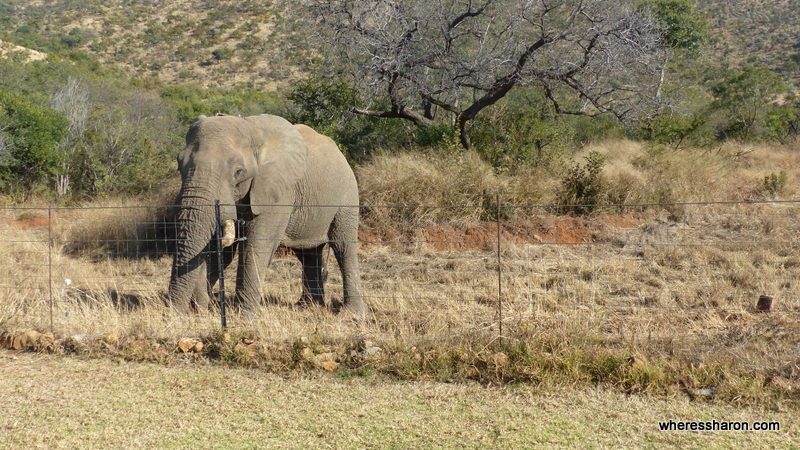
[326, 362]
[187, 345]
[23, 340]
[706, 392]
[498, 359]
[370, 351]
[18, 342]
[764, 303]
[198, 347]
[46, 342]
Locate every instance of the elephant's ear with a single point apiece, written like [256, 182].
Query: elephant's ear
[280, 153]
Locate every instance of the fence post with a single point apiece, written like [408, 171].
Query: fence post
[50, 263]
[499, 270]
[220, 267]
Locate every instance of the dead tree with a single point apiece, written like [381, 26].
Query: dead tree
[414, 59]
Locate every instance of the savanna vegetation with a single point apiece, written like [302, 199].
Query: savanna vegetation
[89, 121]
[655, 298]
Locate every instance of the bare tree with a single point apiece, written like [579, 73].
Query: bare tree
[72, 101]
[414, 59]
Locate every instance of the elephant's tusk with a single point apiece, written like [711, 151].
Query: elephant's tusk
[228, 233]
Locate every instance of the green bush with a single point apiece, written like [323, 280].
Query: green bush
[32, 133]
[746, 98]
[783, 123]
[324, 104]
[772, 184]
[676, 130]
[192, 101]
[73, 39]
[583, 186]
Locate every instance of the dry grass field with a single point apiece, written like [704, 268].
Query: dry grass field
[57, 402]
[658, 301]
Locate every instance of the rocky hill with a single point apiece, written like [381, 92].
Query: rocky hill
[762, 32]
[234, 42]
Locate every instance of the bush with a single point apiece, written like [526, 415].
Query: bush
[673, 129]
[582, 186]
[747, 98]
[409, 179]
[192, 101]
[772, 184]
[32, 133]
[73, 39]
[324, 104]
[783, 123]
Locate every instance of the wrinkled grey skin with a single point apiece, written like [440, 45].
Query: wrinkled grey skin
[294, 187]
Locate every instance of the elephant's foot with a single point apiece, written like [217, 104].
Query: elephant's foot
[241, 303]
[307, 301]
[354, 308]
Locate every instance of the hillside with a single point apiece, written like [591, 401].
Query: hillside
[230, 42]
[762, 32]
[204, 42]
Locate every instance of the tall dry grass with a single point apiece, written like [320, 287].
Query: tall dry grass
[636, 300]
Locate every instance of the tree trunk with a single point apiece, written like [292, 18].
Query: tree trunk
[462, 132]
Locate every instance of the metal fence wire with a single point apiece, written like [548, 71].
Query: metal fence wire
[425, 269]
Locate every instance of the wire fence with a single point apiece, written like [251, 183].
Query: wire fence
[493, 268]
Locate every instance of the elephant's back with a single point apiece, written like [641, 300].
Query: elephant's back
[328, 169]
[329, 185]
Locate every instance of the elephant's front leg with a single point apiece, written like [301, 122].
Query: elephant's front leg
[264, 234]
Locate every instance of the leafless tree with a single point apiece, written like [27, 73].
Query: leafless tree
[414, 59]
[72, 101]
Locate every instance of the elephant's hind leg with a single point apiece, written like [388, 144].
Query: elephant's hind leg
[344, 242]
[313, 276]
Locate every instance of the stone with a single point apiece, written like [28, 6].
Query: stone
[326, 362]
[198, 347]
[187, 345]
[764, 303]
[46, 342]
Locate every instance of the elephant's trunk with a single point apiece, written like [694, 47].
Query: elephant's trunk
[195, 225]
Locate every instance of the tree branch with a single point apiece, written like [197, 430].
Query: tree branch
[413, 116]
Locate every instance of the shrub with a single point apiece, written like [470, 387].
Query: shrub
[582, 186]
[32, 136]
[675, 130]
[442, 181]
[746, 98]
[324, 104]
[783, 123]
[772, 184]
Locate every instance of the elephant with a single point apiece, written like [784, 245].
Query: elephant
[283, 184]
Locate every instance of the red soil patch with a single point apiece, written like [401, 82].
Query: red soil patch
[31, 222]
[483, 236]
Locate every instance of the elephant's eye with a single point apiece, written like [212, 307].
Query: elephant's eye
[238, 174]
